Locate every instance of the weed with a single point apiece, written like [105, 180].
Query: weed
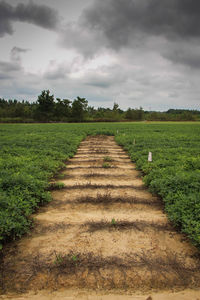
[74, 258]
[90, 185]
[127, 225]
[113, 222]
[61, 176]
[107, 159]
[62, 260]
[107, 199]
[56, 186]
[59, 259]
[106, 165]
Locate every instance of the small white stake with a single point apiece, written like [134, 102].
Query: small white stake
[150, 156]
[134, 142]
[117, 131]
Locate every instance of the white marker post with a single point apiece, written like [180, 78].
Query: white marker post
[150, 157]
[134, 142]
[117, 131]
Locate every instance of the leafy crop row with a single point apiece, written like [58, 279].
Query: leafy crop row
[174, 173]
[31, 154]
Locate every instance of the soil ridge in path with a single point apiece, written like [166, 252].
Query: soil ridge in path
[104, 236]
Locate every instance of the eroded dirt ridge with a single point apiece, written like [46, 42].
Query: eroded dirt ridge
[103, 230]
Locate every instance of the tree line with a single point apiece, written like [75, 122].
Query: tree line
[49, 109]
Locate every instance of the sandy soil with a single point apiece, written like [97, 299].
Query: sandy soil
[104, 236]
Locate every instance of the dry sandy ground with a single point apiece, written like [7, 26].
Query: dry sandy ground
[104, 236]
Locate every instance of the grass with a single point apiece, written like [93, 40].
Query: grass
[56, 186]
[107, 159]
[90, 185]
[127, 225]
[107, 199]
[60, 176]
[113, 222]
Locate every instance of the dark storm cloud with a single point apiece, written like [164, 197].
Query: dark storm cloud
[79, 36]
[186, 59]
[5, 17]
[40, 15]
[120, 21]
[148, 25]
[184, 53]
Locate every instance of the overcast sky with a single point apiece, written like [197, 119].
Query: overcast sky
[133, 52]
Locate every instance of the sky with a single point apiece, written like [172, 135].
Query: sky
[137, 53]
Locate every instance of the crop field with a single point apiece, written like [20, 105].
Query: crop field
[98, 196]
[31, 154]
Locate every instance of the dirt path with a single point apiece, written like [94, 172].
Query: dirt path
[104, 236]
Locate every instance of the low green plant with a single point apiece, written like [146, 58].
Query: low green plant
[59, 259]
[60, 176]
[74, 258]
[107, 159]
[57, 185]
[113, 222]
[106, 165]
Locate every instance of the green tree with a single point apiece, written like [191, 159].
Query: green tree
[79, 109]
[62, 110]
[115, 107]
[129, 114]
[135, 114]
[115, 114]
[45, 107]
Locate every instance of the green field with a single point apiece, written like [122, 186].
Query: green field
[30, 155]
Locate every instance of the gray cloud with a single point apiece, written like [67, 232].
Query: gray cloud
[98, 82]
[81, 37]
[40, 15]
[183, 53]
[7, 67]
[137, 24]
[121, 21]
[4, 76]
[105, 77]
[56, 71]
